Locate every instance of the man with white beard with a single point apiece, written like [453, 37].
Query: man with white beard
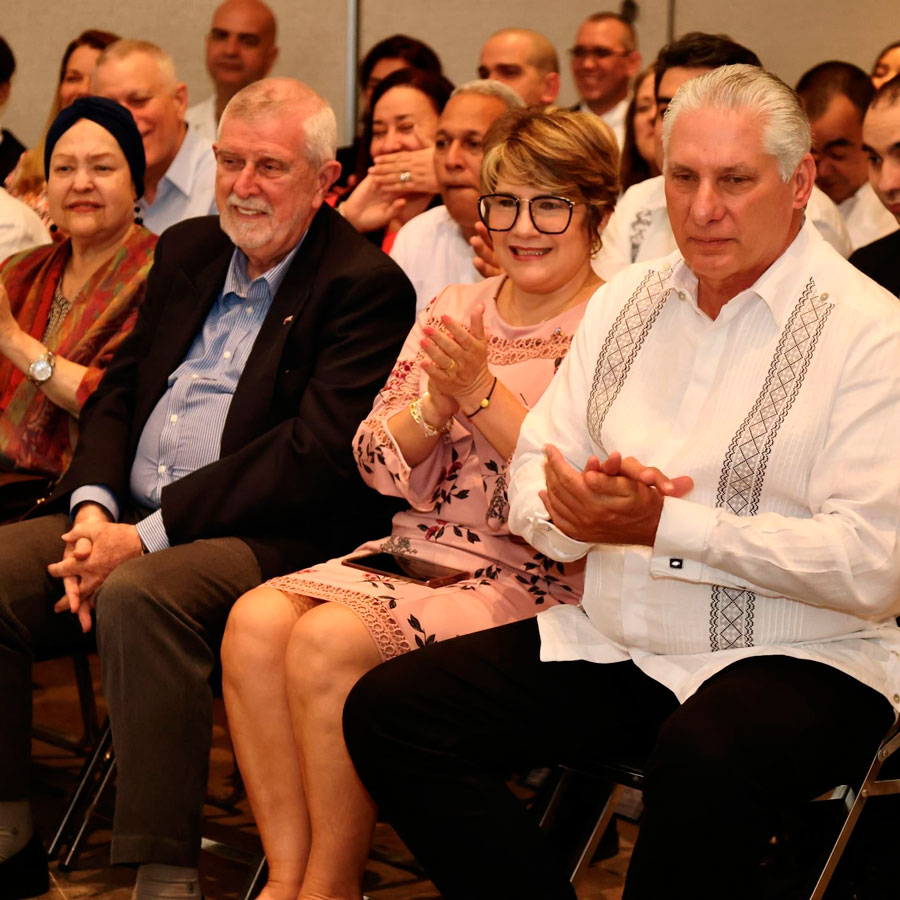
[215, 453]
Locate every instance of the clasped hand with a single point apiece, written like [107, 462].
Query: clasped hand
[617, 501]
[457, 367]
[94, 547]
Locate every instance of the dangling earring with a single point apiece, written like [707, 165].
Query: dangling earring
[137, 216]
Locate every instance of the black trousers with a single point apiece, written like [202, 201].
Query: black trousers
[434, 733]
[159, 621]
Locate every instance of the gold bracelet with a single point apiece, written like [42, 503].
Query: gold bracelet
[485, 402]
[415, 410]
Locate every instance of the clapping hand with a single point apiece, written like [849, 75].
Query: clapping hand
[616, 501]
[457, 364]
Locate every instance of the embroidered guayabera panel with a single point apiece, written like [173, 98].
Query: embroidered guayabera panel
[622, 344]
[639, 226]
[741, 481]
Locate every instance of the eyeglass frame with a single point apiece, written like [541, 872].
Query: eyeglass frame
[529, 200]
[580, 53]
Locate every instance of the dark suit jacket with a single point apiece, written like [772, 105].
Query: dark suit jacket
[11, 148]
[285, 482]
[880, 260]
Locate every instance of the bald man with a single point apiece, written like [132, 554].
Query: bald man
[523, 60]
[240, 49]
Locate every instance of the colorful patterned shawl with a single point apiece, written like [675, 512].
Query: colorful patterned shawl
[37, 436]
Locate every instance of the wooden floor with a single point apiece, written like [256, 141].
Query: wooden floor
[391, 874]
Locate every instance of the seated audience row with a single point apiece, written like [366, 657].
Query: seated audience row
[218, 450]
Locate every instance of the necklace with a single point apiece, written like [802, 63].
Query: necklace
[591, 281]
[59, 309]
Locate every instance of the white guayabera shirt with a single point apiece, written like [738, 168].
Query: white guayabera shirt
[785, 410]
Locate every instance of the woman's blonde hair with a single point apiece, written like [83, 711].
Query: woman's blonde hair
[572, 154]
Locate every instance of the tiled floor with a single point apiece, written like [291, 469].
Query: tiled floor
[391, 874]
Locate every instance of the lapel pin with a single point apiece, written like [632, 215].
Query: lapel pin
[287, 320]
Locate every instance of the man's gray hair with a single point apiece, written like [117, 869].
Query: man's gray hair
[785, 135]
[277, 97]
[487, 87]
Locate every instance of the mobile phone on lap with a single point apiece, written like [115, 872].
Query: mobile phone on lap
[408, 568]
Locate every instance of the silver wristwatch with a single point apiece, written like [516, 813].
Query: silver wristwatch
[41, 370]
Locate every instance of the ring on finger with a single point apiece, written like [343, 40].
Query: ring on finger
[451, 367]
[405, 177]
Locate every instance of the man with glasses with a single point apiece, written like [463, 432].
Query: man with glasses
[604, 60]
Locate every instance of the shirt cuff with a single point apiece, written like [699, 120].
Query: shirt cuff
[544, 536]
[95, 493]
[681, 540]
[152, 532]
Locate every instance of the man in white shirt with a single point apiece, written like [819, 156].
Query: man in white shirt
[240, 49]
[639, 228]
[20, 226]
[433, 248]
[181, 169]
[733, 617]
[880, 260]
[836, 96]
[523, 60]
[605, 58]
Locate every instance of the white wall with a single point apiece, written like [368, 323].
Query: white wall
[789, 35]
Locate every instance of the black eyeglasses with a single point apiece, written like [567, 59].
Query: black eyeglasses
[580, 53]
[549, 214]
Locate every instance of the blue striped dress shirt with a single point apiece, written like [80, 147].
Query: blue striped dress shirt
[184, 431]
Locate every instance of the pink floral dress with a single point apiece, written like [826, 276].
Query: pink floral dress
[457, 497]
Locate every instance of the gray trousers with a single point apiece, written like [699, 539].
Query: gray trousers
[159, 621]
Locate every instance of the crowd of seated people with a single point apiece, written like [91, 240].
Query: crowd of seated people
[618, 382]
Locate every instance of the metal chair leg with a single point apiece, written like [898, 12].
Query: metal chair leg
[87, 778]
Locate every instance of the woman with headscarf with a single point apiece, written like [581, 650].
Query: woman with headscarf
[65, 308]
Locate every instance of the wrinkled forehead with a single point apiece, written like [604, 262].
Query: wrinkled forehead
[470, 112]
[608, 33]
[509, 49]
[243, 18]
[136, 72]
[715, 136]
[881, 126]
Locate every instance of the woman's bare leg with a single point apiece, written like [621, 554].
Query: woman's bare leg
[253, 682]
[329, 650]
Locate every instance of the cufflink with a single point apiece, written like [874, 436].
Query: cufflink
[675, 563]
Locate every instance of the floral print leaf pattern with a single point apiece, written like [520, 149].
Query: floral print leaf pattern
[425, 639]
[538, 578]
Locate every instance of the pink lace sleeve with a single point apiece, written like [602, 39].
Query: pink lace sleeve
[378, 457]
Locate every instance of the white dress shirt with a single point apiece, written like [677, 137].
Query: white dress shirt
[866, 217]
[188, 188]
[785, 410]
[202, 118]
[639, 228]
[21, 227]
[614, 117]
[433, 253]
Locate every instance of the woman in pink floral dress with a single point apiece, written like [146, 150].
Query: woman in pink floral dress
[440, 435]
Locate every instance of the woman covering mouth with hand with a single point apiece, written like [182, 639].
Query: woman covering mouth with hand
[439, 436]
[65, 308]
